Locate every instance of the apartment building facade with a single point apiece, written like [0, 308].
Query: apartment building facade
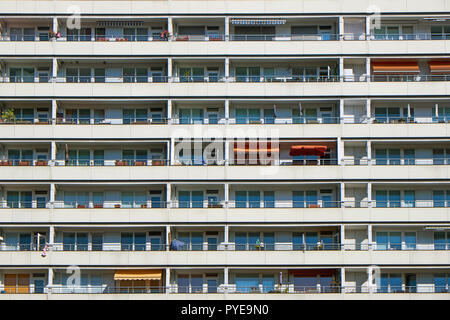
[224, 150]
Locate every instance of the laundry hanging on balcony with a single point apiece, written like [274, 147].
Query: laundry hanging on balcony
[395, 66]
[258, 22]
[138, 274]
[439, 66]
[308, 150]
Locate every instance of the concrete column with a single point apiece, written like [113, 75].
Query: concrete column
[227, 110]
[225, 278]
[54, 111]
[52, 194]
[369, 236]
[227, 28]
[370, 279]
[369, 151]
[167, 238]
[368, 23]
[341, 28]
[342, 193]
[340, 150]
[55, 27]
[369, 194]
[170, 27]
[368, 109]
[341, 69]
[169, 112]
[172, 151]
[436, 110]
[342, 280]
[169, 70]
[409, 111]
[54, 69]
[50, 279]
[226, 194]
[51, 235]
[167, 278]
[226, 152]
[367, 69]
[342, 235]
[226, 234]
[227, 68]
[341, 110]
[168, 194]
[52, 153]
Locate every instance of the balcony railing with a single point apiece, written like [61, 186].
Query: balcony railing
[227, 79]
[231, 37]
[395, 161]
[286, 288]
[174, 204]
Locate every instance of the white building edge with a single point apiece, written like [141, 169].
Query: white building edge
[345, 104]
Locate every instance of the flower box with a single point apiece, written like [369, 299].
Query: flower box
[117, 206]
[41, 163]
[157, 162]
[313, 206]
[97, 206]
[24, 163]
[81, 206]
[121, 163]
[140, 163]
[143, 206]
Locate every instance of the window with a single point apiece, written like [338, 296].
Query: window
[73, 199]
[269, 199]
[79, 157]
[136, 199]
[250, 199]
[441, 283]
[248, 74]
[191, 116]
[19, 199]
[192, 240]
[135, 74]
[386, 115]
[190, 199]
[389, 198]
[135, 157]
[16, 156]
[440, 32]
[18, 74]
[78, 75]
[245, 116]
[390, 283]
[441, 198]
[192, 74]
[133, 241]
[83, 34]
[389, 240]
[131, 116]
[246, 283]
[441, 240]
[135, 34]
[75, 241]
[302, 199]
[97, 242]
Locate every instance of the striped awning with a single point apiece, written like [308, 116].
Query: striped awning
[140, 274]
[395, 66]
[120, 23]
[439, 66]
[259, 22]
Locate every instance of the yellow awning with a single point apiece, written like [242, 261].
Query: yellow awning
[147, 274]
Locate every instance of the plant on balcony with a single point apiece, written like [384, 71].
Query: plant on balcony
[117, 206]
[140, 163]
[120, 163]
[41, 162]
[24, 163]
[97, 206]
[8, 115]
[157, 163]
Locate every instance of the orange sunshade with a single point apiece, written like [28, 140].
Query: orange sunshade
[395, 67]
[134, 274]
[256, 150]
[307, 150]
[440, 66]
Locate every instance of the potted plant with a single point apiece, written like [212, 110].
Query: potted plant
[121, 163]
[24, 163]
[81, 206]
[140, 163]
[117, 206]
[157, 163]
[8, 115]
[98, 205]
[41, 162]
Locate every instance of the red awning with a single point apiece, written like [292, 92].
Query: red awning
[306, 150]
[439, 66]
[263, 148]
[395, 66]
